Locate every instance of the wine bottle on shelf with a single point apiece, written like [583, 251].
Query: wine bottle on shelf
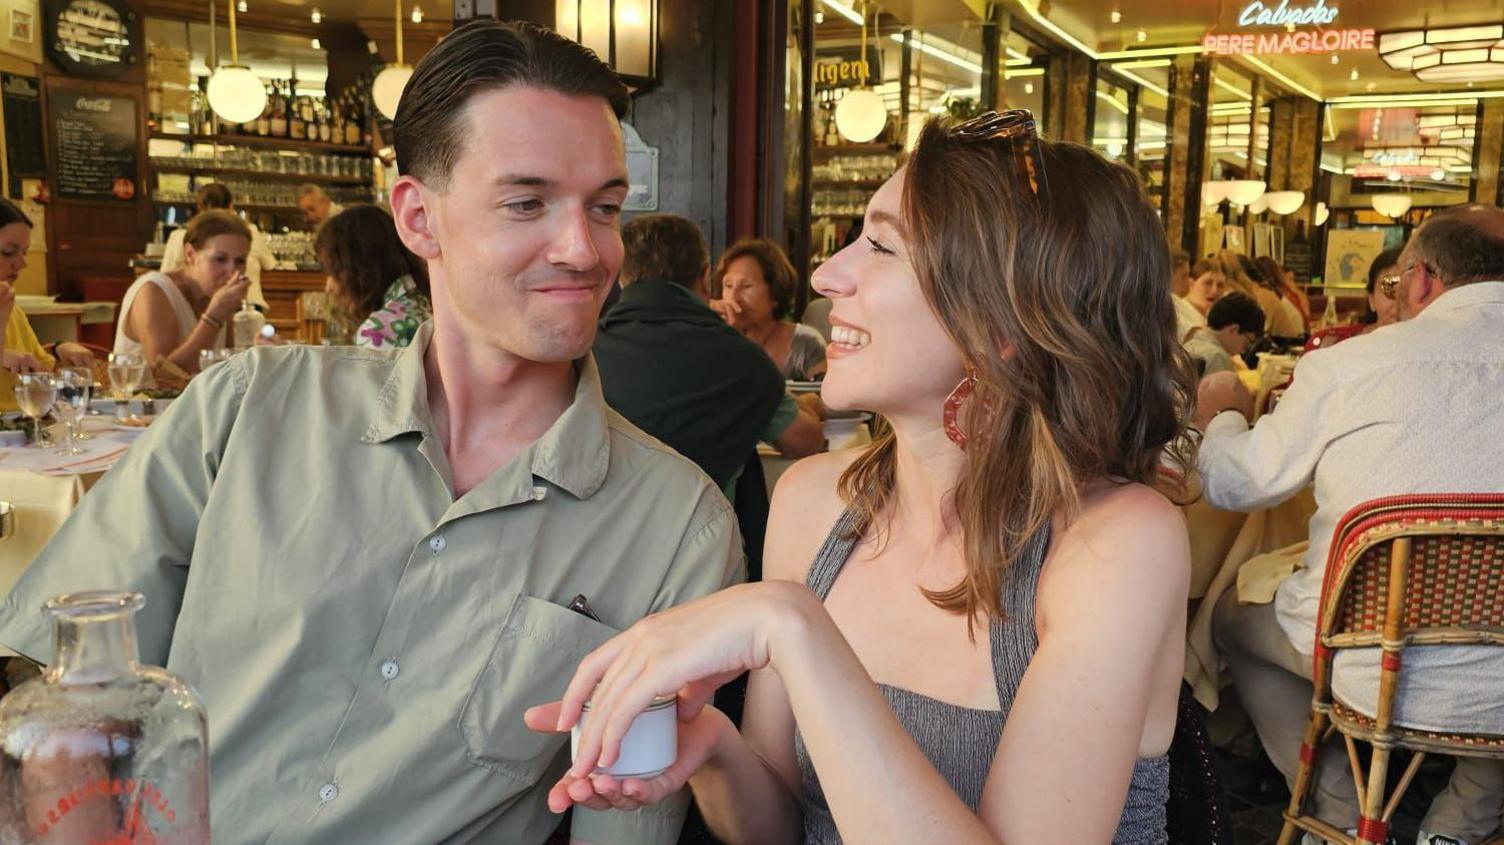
[264, 122]
[352, 123]
[326, 130]
[297, 129]
[205, 126]
[279, 115]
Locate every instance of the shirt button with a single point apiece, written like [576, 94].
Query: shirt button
[328, 792]
[390, 669]
[539, 493]
[437, 544]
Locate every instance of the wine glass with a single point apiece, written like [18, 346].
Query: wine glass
[35, 393]
[73, 388]
[127, 371]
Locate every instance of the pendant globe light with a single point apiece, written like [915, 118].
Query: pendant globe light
[1322, 213]
[1391, 205]
[235, 92]
[861, 113]
[386, 91]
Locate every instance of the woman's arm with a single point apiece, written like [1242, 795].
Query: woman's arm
[1102, 687]
[152, 323]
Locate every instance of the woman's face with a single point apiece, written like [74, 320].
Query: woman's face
[1206, 289]
[216, 262]
[15, 242]
[744, 283]
[1386, 308]
[889, 352]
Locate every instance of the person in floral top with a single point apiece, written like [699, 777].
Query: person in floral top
[372, 278]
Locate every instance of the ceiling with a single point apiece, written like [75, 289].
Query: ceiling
[1185, 22]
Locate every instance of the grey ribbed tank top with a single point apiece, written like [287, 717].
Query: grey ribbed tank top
[960, 742]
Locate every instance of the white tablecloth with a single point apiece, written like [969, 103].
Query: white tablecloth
[45, 487]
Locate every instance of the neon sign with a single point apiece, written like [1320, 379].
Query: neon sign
[1288, 43]
[1258, 14]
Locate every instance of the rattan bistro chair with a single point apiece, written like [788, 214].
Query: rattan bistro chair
[1405, 570]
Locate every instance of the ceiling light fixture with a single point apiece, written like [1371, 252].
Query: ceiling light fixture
[386, 91]
[417, 16]
[1354, 75]
[1452, 54]
[316, 16]
[960, 61]
[1391, 205]
[1116, 16]
[844, 11]
[1142, 36]
[235, 92]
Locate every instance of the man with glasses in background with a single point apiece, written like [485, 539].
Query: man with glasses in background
[1411, 409]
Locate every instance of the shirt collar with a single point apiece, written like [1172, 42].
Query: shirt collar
[656, 300]
[1464, 296]
[574, 454]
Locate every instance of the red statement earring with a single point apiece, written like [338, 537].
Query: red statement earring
[953, 404]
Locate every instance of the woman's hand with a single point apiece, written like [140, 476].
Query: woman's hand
[74, 355]
[226, 301]
[19, 362]
[729, 309]
[698, 738]
[7, 304]
[689, 651]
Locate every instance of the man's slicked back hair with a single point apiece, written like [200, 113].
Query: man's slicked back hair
[429, 130]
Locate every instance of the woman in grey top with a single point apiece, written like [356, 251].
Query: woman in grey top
[754, 285]
[973, 628]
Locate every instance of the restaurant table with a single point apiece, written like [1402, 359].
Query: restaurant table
[59, 322]
[45, 488]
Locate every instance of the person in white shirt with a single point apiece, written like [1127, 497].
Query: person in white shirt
[316, 205]
[216, 195]
[1411, 409]
[1204, 287]
[1186, 315]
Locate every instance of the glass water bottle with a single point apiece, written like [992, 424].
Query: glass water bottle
[101, 750]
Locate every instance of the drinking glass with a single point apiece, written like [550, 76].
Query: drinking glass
[35, 393]
[127, 371]
[73, 387]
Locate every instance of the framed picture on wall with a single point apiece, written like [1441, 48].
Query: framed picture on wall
[20, 37]
[23, 26]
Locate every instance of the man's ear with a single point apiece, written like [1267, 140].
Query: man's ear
[412, 211]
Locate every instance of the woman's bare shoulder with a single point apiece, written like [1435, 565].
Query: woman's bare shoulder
[1126, 537]
[806, 504]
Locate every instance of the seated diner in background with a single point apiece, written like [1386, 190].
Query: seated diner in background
[258, 260]
[1400, 411]
[972, 628]
[753, 289]
[20, 350]
[1234, 324]
[372, 278]
[177, 315]
[1381, 310]
[674, 368]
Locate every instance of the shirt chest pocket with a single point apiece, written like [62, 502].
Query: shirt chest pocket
[531, 662]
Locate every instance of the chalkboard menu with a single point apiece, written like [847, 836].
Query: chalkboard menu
[94, 143]
[1299, 259]
[22, 105]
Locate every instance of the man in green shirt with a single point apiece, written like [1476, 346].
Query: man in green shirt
[362, 561]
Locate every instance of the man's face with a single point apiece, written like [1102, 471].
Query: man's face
[315, 208]
[527, 228]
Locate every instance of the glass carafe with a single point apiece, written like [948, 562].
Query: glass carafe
[101, 750]
[247, 324]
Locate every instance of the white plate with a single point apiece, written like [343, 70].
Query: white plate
[802, 386]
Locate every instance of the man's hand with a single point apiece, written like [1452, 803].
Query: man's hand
[1221, 392]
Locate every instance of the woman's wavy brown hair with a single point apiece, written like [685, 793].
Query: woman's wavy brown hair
[1062, 308]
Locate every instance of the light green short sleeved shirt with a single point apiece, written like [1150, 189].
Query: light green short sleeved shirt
[365, 644]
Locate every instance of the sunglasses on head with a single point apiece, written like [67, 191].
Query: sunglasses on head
[1015, 126]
